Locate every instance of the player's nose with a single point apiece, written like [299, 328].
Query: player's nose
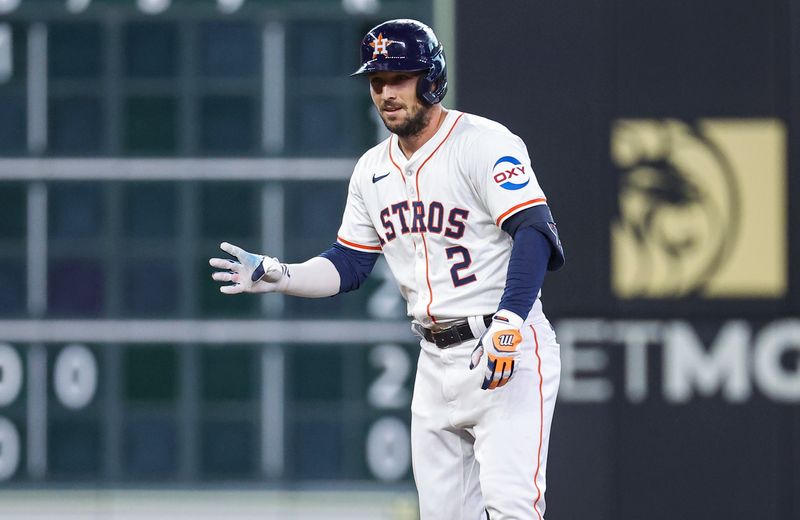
[389, 92]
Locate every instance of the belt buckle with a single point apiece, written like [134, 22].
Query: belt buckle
[452, 330]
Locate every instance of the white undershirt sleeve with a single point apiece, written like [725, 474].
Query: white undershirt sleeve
[314, 278]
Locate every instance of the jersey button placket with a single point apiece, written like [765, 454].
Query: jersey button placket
[420, 266]
[419, 275]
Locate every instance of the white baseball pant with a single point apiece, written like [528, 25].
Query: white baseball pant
[484, 451]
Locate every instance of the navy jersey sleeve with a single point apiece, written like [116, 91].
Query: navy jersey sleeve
[353, 266]
[536, 249]
[539, 218]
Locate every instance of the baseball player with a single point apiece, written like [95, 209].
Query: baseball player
[451, 201]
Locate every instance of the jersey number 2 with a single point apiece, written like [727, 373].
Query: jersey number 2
[465, 262]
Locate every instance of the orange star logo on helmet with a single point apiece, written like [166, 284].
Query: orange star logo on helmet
[380, 44]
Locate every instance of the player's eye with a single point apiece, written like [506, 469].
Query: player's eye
[400, 78]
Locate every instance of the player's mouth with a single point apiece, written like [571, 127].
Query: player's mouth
[391, 109]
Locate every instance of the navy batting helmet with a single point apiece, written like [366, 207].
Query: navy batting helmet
[408, 46]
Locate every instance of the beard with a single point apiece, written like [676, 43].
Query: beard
[411, 126]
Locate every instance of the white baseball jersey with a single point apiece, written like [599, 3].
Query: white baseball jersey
[436, 217]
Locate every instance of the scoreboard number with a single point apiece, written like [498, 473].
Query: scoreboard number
[10, 374]
[388, 391]
[9, 449]
[388, 443]
[75, 376]
[389, 449]
[10, 387]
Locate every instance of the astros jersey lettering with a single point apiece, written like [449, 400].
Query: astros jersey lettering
[436, 217]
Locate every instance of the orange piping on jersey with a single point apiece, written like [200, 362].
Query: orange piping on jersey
[518, 206]
[419, 199]
[358, 246]
[428, 278]
[399, 170]
[541, 427]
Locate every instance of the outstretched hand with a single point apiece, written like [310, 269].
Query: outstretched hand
[249, 272]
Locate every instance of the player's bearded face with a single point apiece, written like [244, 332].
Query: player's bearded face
[395, 96]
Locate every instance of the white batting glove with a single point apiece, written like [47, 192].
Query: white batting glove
[250, 273]
[501, 343]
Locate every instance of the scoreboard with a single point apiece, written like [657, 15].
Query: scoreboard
[192, 413]
[121, 362]
[134, 138]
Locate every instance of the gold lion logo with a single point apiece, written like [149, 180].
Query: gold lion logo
[679, 207]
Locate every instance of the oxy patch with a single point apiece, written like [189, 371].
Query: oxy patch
[510, 174]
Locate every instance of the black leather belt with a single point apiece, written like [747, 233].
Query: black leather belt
[450, 336]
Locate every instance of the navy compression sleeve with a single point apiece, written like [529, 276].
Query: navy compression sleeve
[538, 217]
[526, 270]
[353, 266]
[536, 249]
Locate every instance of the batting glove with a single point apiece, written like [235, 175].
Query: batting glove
[249, 273]
[501, 343]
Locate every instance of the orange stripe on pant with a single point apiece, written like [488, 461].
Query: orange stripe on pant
[541, 427]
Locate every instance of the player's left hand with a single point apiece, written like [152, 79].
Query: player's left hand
[501, 343]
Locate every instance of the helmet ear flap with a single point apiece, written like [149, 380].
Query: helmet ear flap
[424, 87]
[432, 87]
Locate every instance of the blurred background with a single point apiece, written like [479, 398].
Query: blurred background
[135, 135]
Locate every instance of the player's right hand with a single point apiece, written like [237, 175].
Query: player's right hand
[249, 272]
[501, 343]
